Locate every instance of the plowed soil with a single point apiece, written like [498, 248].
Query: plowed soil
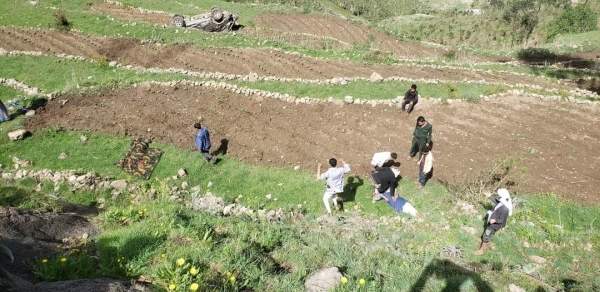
[264, 62]
[467, 136]
[131, 14]
[311, 30]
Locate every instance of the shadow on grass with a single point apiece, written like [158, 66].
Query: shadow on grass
[116, 251]
[540, 56]
[12, 196]
[349, 194]
[453, 274]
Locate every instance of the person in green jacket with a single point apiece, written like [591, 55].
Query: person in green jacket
[421, 137]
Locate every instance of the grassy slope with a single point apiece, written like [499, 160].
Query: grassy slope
[165, 225]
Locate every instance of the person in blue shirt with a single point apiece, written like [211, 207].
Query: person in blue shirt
[203, 143]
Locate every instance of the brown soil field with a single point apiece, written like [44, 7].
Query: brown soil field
[265, 62]
[467, 136]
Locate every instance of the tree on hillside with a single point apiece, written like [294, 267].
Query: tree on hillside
[575, 19]
[523, 17]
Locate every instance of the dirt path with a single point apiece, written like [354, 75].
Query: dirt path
[265, 62]
[275, 133]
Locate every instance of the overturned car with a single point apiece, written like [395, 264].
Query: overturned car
[215, 20]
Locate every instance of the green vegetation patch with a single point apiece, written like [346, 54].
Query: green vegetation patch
[365, 89]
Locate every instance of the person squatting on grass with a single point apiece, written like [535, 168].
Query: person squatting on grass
[421, 137]
[425, 167]
[411, 98]
[383, 159]
[203, 142]
[385, 180]
[334, 181]
[496, 218]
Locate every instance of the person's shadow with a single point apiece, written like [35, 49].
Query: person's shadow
[223, 147]
[349, 194]
[453, 274]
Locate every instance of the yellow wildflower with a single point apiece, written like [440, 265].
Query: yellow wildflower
[193, 271]
[63, 260]
[232, 279]
[344, 280]
[180, 262]
[361, 281]
[44, 261]
[163, 255]
[228, 274]
[194, 286]
[172, 287]
[140, 212]
[132, 202]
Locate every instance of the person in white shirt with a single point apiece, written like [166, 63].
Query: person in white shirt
[383, 159]
[334, 178]
[425, 167]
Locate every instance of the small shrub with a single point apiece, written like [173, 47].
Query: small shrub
[78, 265]
[61, 22]
[471, 187]
[536, 54]
[489, 90]
[450, 54]
[452, 92]
[101, 60]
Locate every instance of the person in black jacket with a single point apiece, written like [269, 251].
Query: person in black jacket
[411, 98]
[496, 218]
[384, 179]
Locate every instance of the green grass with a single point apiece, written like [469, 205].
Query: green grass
[586, 41]
[8, 93]
[54, 75]
[374, 91]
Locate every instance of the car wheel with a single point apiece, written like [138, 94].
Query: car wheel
[178, 21]
[216, 14]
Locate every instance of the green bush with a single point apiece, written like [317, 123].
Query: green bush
[575, 19]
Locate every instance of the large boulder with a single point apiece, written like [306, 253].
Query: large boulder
[375, 77]
[19, 134]
[323, 280]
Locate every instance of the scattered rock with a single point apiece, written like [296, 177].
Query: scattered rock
[112, 64]
[268, 196]
[83, 138]
[515, 288]
[3, 52]
[537, 259]
[20, 163]
[62, 155]
[526, 244]
[208, 203]
[30, 113]
[184, 185]
[182, 172]
[119, 184]
[297, 167]
[323, 280]
[253, 77]
[348, 99]
[375, 77]
[210, 184]
[19, 134]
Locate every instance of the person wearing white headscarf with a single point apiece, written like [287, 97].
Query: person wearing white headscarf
[496, 218]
